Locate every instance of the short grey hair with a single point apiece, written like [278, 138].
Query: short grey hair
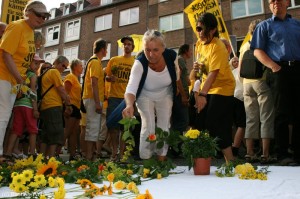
[60, 59]
[151, 35]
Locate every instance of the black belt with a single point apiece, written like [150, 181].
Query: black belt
[288, 63]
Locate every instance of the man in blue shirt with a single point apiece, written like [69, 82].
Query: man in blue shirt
[276, 44]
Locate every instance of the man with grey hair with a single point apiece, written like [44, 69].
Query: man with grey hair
[278, 49]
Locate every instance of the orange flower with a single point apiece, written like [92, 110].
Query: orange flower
[111, 177]
[152, 137]
[82, 167]
[49, 169]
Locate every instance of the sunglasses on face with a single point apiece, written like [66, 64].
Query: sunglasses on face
[39, 15]
[199, 28]
[65, 67]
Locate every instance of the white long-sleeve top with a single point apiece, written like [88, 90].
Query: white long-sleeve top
[157, 84]
[239, 89]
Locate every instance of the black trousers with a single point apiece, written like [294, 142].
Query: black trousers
[285, 86]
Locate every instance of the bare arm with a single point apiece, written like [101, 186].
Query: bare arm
[96, 94]
[68, 86]
[63, 94]
[11, 66]
[184, 97]
[266, 60]
[129, 110]
[201, 100]
[34, 102]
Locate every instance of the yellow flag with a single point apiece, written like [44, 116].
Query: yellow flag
[247, 38]
[199, 7]
[138, 43]
[12, 10]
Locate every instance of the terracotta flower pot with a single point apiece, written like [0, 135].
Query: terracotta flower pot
[202, 166]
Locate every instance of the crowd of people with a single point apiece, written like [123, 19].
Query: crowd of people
[154, 85]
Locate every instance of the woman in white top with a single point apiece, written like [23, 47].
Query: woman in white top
[154, 92]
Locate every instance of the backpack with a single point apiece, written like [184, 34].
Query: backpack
[82, 108]
[39, 91]
[251, 68]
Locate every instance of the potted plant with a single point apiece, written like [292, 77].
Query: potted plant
[198, 147]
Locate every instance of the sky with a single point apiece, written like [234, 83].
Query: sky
[49, 3]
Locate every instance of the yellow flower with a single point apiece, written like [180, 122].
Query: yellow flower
[130, 186]
[19, 180]
[13, 174]
[192, 133]
[129, 172]
[111, 177]
[20, 188]
[43, 196]
[24, 89]
[28, 174]
[34, 185]
[52, 182]
[146, 171]
[119, 185]
[40, 179]
[60, 194]
[159, 176]
[60, 182]
[27, 81]
[147, 195]
[1, 178]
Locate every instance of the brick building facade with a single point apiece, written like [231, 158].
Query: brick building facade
[74, 27]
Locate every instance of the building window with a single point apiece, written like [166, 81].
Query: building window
[52, 35]
[72, 30]
[105, 2]
[103, 22]
[243, 8]
[52, 12]
[171, 22]
[79, 5]
[295, 3]
[50, 56]
[107, 57]
[71, 53]
[162, 0]
[129, 16]
[67, 9]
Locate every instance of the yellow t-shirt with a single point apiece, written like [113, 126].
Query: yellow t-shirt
[94, 69]
[215, 57]
[17, 40]
[120, 67]
[52, 98]
[75, 93]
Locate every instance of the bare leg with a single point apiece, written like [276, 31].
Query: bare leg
[266, 146]
[227, 152]
[238, 138]
[11, 143]
[82, 140]
[32, 143]
[89, 150]
[52, 150]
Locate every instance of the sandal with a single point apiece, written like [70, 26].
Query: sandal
[251, 158]
[19, 156]
[8, 159]
[267, 159]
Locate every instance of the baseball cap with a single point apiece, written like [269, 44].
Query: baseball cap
[37, 58]
[38, 7]
[127, 38]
